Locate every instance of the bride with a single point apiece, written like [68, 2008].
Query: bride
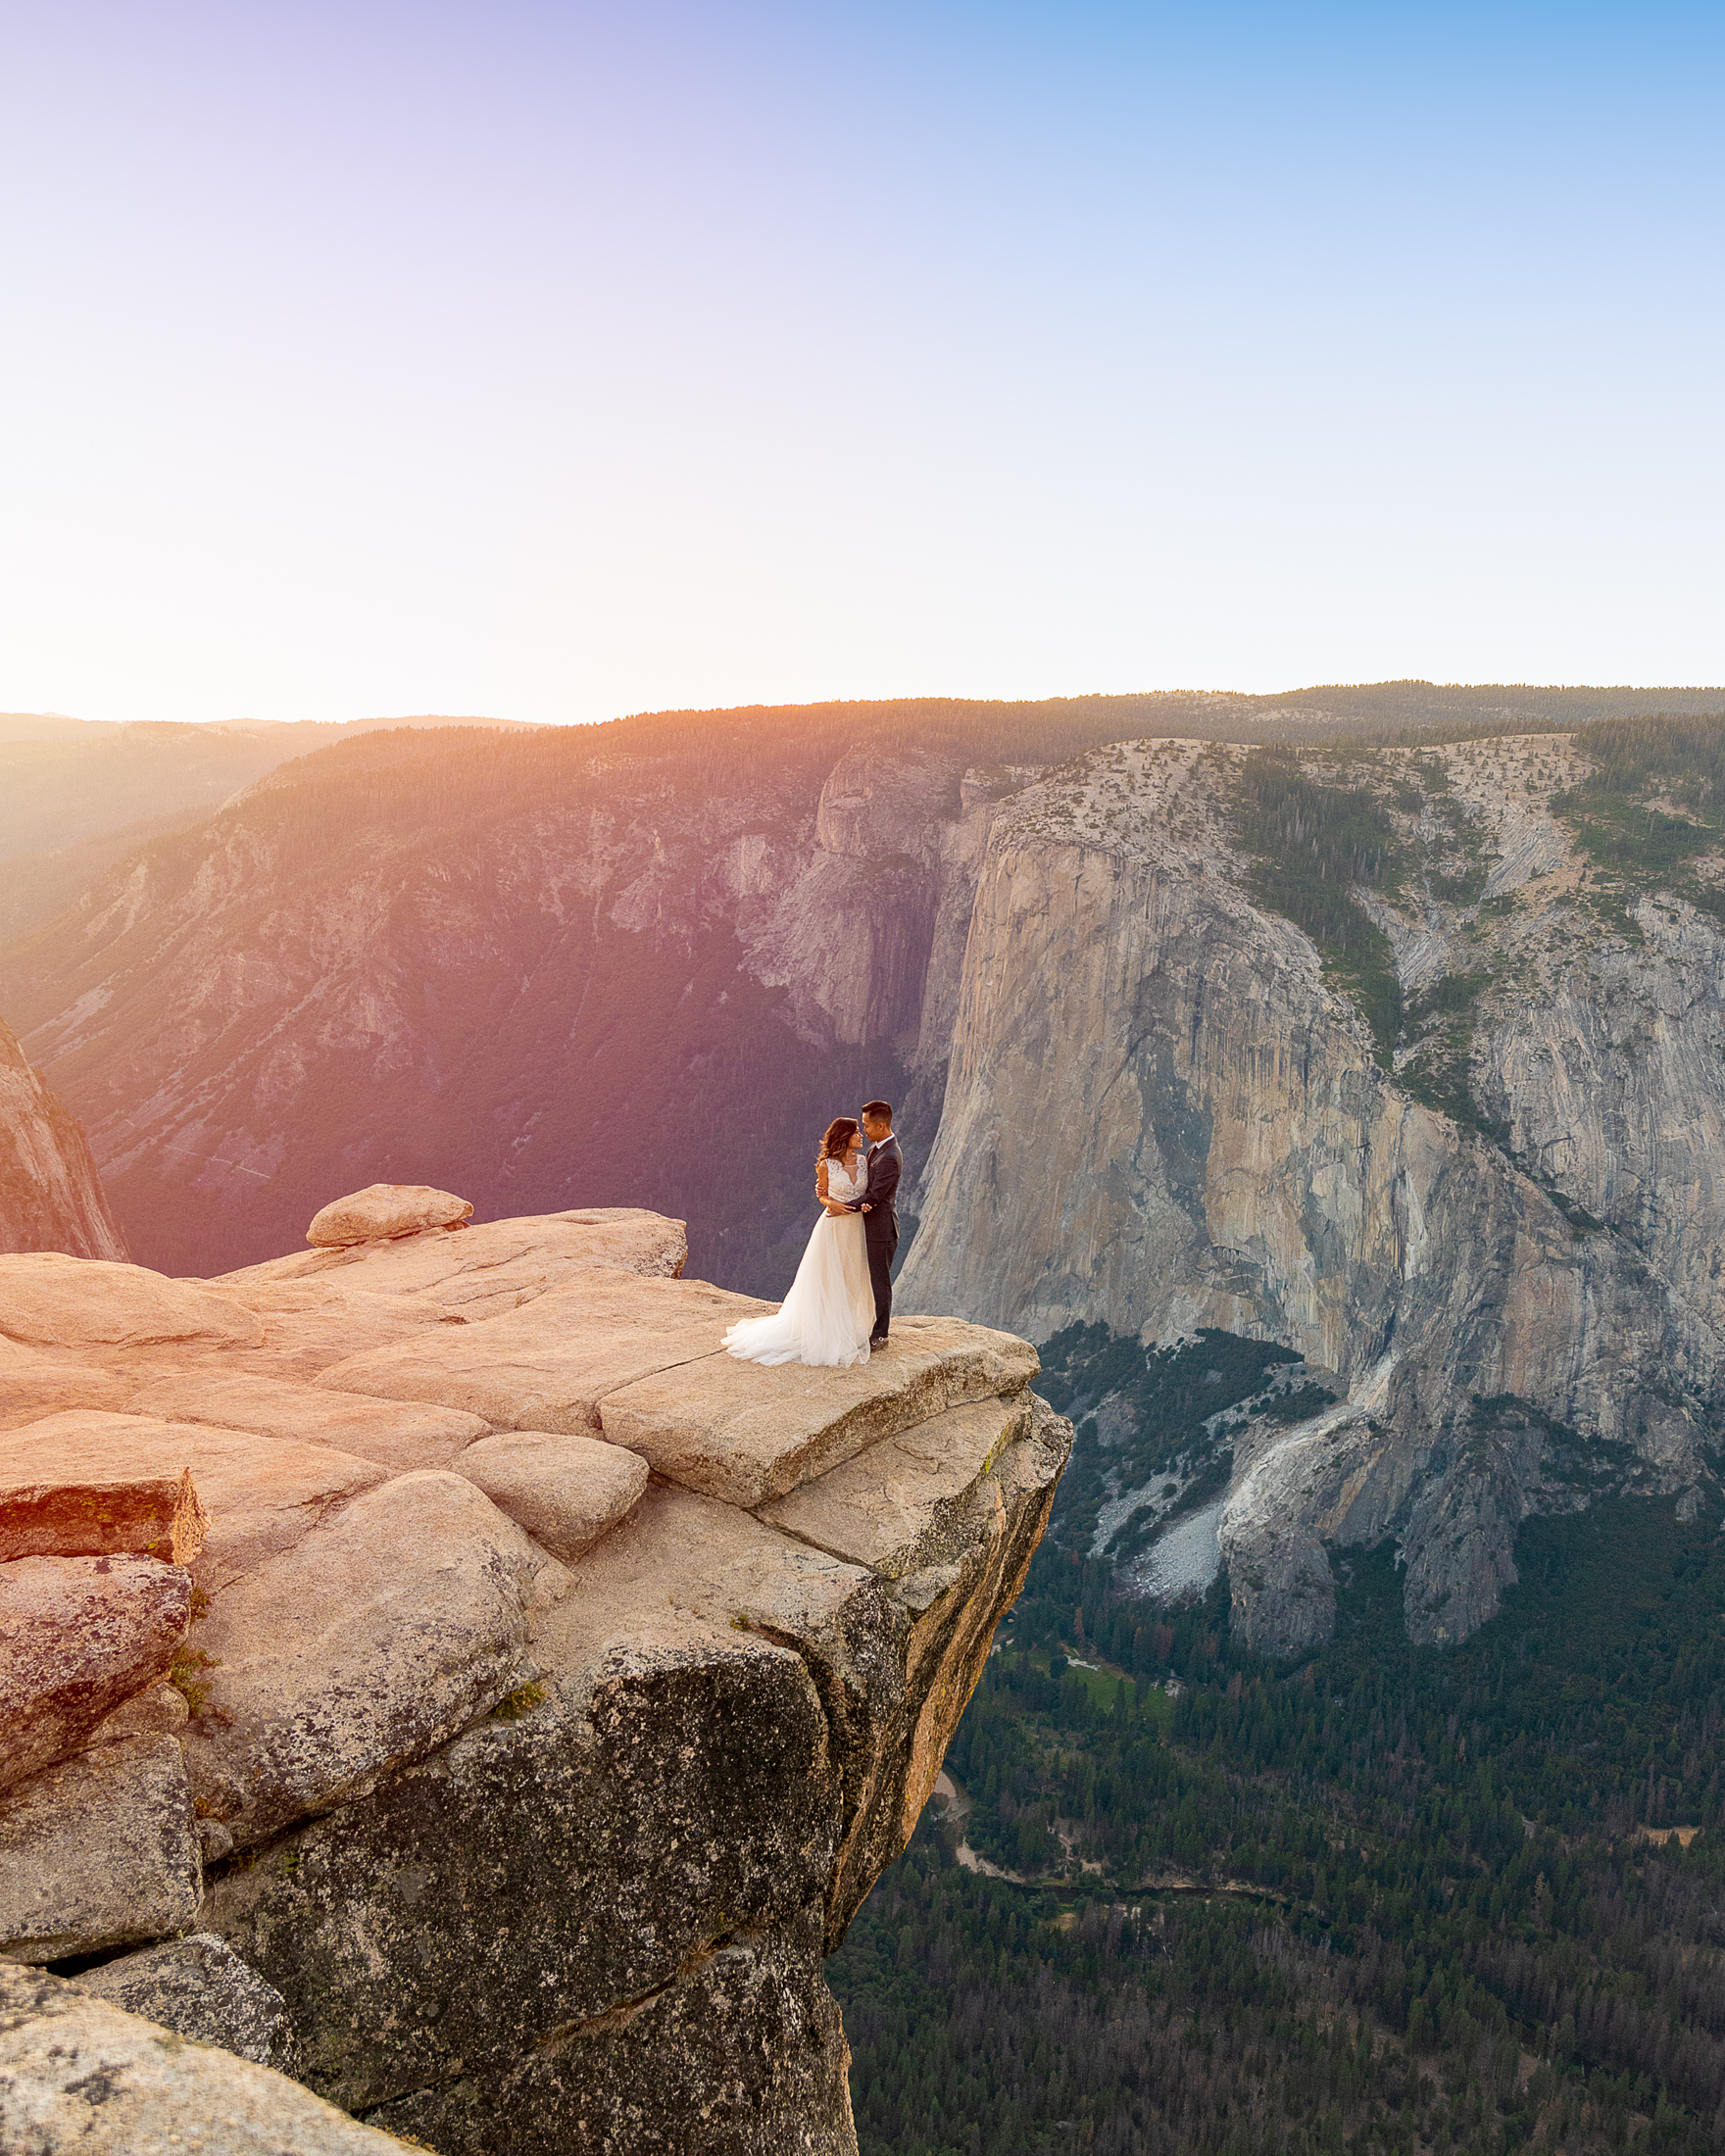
[829, 1313]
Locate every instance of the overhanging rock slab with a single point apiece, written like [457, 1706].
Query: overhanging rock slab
[897, 1506]
[536, 1852]
[747, 1435]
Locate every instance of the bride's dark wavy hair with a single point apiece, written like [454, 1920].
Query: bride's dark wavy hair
[837, 1142]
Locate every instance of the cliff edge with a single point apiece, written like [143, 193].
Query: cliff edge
[445, 1677]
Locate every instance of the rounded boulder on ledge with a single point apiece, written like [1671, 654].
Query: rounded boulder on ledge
[386, 1209]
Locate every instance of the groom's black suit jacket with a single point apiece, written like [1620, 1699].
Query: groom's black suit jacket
[880, 1224]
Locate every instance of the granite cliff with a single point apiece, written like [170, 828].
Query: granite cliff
[433, 1671]
[1496, 1235]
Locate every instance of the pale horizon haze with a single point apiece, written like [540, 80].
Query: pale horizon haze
[557, 361]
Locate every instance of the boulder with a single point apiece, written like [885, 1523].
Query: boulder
[80, 2074]
[395, 1436]
[49, 1298]
[199, 1987]
[98, 1852]
[98, 1516]
[375, 1636]
[386, 1209]
[564, 1491]
[78, 1636]
[263, 1493]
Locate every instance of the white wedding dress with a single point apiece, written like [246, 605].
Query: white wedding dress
[829, 1313]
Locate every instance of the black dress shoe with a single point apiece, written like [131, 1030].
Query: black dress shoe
[877, 1340]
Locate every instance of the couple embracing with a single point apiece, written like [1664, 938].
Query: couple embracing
[841, 1301]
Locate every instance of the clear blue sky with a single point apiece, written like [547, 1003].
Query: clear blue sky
[557, 361]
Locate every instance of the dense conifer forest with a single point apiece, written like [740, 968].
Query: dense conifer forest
[1388, 1897]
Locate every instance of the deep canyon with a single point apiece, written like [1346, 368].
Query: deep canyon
[639, 964]
[1364, 1060]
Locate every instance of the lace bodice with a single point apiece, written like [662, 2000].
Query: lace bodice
[838, 1184]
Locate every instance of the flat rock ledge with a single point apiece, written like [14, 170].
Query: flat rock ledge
[502, 1701]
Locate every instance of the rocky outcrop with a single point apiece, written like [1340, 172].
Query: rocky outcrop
[1196, 1130]
[50, 1198]
[520, 1770]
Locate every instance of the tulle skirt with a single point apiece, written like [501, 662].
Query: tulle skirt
[829, 1313]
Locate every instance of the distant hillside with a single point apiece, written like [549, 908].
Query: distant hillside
[76, 794]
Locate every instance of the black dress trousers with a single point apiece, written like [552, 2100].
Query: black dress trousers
[882, 1249]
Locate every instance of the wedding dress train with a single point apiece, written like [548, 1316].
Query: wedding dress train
[829, 1313]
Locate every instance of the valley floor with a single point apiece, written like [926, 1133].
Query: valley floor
[1443, 1904]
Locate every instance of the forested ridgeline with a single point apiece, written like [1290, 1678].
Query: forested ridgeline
[1054, 728]
[783, 745]
[1392, 1898]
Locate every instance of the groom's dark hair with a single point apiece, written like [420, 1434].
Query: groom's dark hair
[882, 1109]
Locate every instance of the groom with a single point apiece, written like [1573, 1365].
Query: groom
[880, 1215]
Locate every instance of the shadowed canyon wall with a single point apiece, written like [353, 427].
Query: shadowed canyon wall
[50, 1196]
